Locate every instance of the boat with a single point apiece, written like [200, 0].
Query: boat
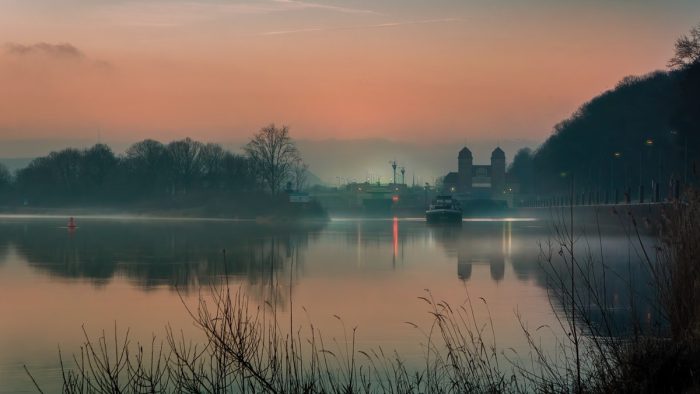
[444, 209]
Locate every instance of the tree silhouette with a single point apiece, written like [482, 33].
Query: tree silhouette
[687, 50]
[5, 179]
[522, 170]
[273, 155]
[185, 163]
[211, 159]
[300, 174]
[184, 176]
[642, 132]
[146, 166]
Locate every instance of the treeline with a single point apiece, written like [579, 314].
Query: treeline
[182, 173]
[149, 169]
[646, 130]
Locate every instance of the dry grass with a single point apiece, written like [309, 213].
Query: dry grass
[678, 270]
[248, 351]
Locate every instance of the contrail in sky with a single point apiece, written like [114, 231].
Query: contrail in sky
[374, 26]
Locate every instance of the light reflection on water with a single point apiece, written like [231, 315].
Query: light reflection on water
[369, 272]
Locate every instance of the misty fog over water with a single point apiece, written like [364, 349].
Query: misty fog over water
[96, 275]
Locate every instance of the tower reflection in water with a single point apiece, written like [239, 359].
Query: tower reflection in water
[483, 244]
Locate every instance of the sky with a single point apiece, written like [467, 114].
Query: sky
[415, 71]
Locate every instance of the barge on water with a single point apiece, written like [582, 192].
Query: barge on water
[444, 209]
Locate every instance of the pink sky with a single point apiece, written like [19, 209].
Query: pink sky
[410, 70]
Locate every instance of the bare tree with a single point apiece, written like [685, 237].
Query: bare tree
[211, 158]
[273, 155]
[687, 50]
[147, 153]
[184, 156]
[148, 167]
[301, 174]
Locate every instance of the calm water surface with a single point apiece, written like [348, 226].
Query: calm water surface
[131, 272]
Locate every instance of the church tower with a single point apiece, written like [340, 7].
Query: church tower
[498, 172]
[465, 161]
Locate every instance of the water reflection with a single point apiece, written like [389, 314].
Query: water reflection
[272, 259]
[487, 243]
[612, 278]
[367, 271]
[155, 253]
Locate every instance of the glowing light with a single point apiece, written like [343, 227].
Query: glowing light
[395, 234]
[500, 219]
[394, 198]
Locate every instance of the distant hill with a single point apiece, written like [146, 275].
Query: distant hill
[637, 132]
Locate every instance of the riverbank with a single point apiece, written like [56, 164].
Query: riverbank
[263, 209]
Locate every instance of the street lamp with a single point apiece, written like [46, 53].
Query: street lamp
[570, 176]
[650, 143]
[616, 155]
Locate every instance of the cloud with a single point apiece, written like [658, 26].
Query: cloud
[296, 4]
[374, 26]
[63, 50]
[418, 22]
[60, 51]
[175, 13]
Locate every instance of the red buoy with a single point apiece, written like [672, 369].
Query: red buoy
[71, 223]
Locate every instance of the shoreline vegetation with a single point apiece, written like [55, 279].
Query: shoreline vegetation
[182, 178]
[246, 348]
[282, 212]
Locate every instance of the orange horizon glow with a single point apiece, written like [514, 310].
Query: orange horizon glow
[335, 69]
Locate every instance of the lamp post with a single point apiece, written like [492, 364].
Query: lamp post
[615, 155]
[427, 186]
[649, 143]
[570, 176]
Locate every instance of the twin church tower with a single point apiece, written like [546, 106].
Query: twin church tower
[475, 180]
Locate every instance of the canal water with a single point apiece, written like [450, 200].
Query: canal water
[135, 273]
